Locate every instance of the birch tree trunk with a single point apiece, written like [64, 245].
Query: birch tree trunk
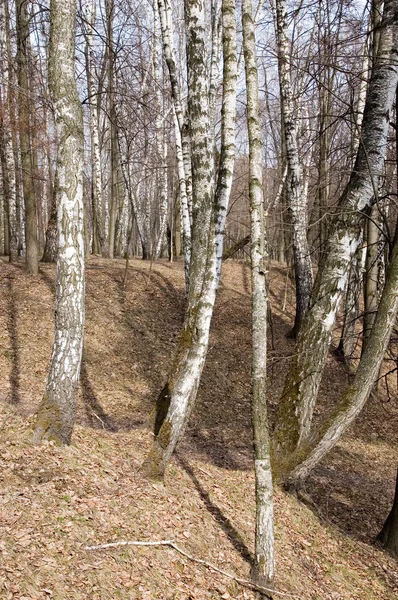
[24, 110]
[355, 397]
[114, 196]
[263, 571]
[177, 398]
[96, 183]
[50, 246]
[56, 414]
[370, 288]
[295, 198]
[183, 167]
[9, 169]
[302, 384]
[351, 310]
[225, 174]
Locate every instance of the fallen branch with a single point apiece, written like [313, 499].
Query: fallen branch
[116, 544]
[171, 544]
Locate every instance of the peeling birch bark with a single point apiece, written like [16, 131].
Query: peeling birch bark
[296, 406]
[296, 199]
[182, 148]
[225, 174]
[56, 414]
[264, 567]
[177, 398]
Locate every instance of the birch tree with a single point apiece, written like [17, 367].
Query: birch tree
[25, 134]
[296, 199]
[8, 162]
[302, 384]
[264, 536]
[96, 183]
[356, 395]
[56, 414]
[177, 398]
[184, 174]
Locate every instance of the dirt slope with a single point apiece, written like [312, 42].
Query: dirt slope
[55, 501]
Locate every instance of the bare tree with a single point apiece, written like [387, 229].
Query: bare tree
[264, 541]
[56, 414]
[302, 384]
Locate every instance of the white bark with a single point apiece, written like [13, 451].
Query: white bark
[177, 398]
[9, 175]
[296, 200]
[183, 166]
[264, 536]
[161, 145]
[56, 414]
[302, 385]
[96, 170]
[358, 392]
[225, 174]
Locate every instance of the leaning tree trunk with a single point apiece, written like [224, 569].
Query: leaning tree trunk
[56, 415]
[24, 112]
[348, 339]
[302, 384]
[264, 567]
[176, 401]
[354, 399]
[296, 200]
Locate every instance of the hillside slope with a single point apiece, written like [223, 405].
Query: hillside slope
[55, 501]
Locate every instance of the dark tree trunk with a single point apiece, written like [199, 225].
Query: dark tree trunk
[50, 247]
[388, 536]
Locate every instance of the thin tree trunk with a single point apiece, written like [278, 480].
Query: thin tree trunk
[114, 201]
[56, 415]
[264, 567]
[301, 388]
[24, 100]
[9, 167]
[50, 246]
[184, 174]
[295, 198]
[348, 338]
[230, 67]
[370, 288]
[96, 171]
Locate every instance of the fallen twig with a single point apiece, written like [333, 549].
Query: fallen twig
[172, 544]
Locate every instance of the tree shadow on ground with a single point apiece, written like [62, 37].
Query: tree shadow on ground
[12, 317]
[96, 417]
[220, 430]
[350, 493]
[226, 525]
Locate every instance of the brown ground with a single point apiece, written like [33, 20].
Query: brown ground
[55, 501]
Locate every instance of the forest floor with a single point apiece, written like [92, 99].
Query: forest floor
[56, 501]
